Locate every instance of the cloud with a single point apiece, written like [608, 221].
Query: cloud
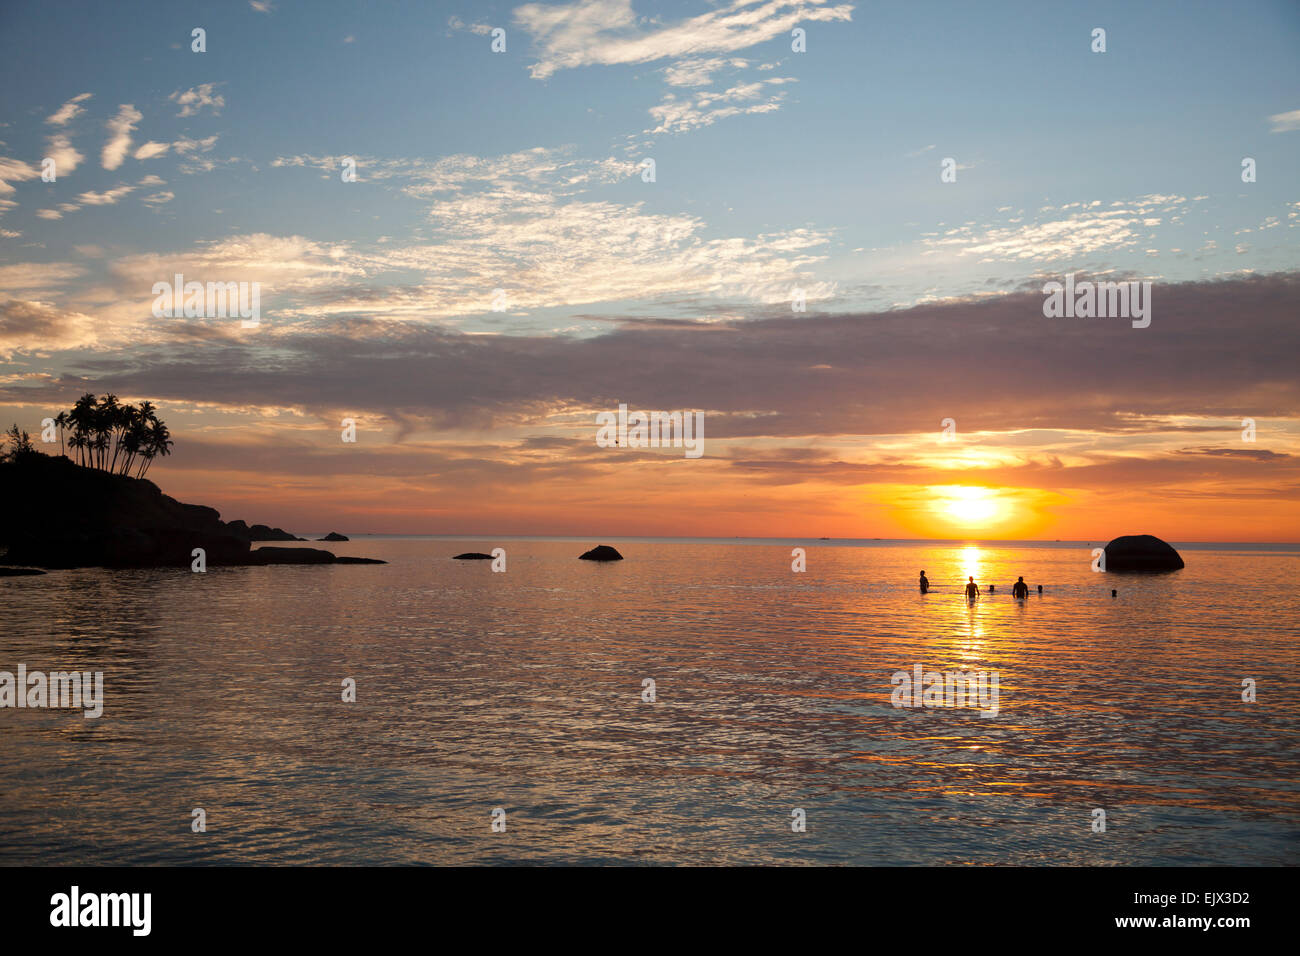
[119, 141]
[482, 29]
[65, 156]
[519, 222]
[892, 372]
[705, 108]
[1285, 122]
[69, 110]
[607, 32]
[34, 327]
[44, 278]
[151, 149]
[15, 170]
[107, 198]
[1084, 230]
[1261, 454]
[192, 101]
[698, 71]
[261, 6]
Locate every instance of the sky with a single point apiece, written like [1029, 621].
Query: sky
[838, 256]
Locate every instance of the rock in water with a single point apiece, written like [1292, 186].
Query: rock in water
[1141, 552]
[333, 536]
[291, 556]
[472, 556]
[261, 532]
[19, 572]
[602, 552]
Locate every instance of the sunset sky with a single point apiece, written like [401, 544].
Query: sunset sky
[774, 170]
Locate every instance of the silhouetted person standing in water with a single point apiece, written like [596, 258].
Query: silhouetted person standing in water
[972, 589]
[1020, 589]
[925, 584]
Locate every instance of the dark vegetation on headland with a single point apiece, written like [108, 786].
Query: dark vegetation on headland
[63, 514]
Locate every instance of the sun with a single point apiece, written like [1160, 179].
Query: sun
[967, 504]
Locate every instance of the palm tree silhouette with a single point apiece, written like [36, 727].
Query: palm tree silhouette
[160, 443]
[112, 436]
[61, 422]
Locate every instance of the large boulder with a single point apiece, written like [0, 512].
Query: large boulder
[602, 552]
[1141, 552]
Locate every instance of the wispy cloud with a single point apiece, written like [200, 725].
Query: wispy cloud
[15, 170]
[69, 110]
[1065, 232]
[698, 71]
[192, 101]
[705, 108]
[608, 32]
[119, 140]
[1285, 122]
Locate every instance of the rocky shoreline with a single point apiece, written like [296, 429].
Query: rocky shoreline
[65, 515]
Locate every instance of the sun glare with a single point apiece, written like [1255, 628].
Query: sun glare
[967, 505]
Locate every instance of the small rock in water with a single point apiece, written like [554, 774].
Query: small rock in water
[472, 556]
[18, 572]
[602, 552]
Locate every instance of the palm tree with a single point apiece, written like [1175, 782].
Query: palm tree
[112, 436]
[136, 439]
[99, 444]
[61, 422]
[78, 443]
[81, 419]
[137, 434]
[160, 443]
[109, 412]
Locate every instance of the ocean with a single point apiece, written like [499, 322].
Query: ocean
[506, 717]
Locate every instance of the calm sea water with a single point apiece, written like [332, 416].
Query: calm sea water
[523, 690]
